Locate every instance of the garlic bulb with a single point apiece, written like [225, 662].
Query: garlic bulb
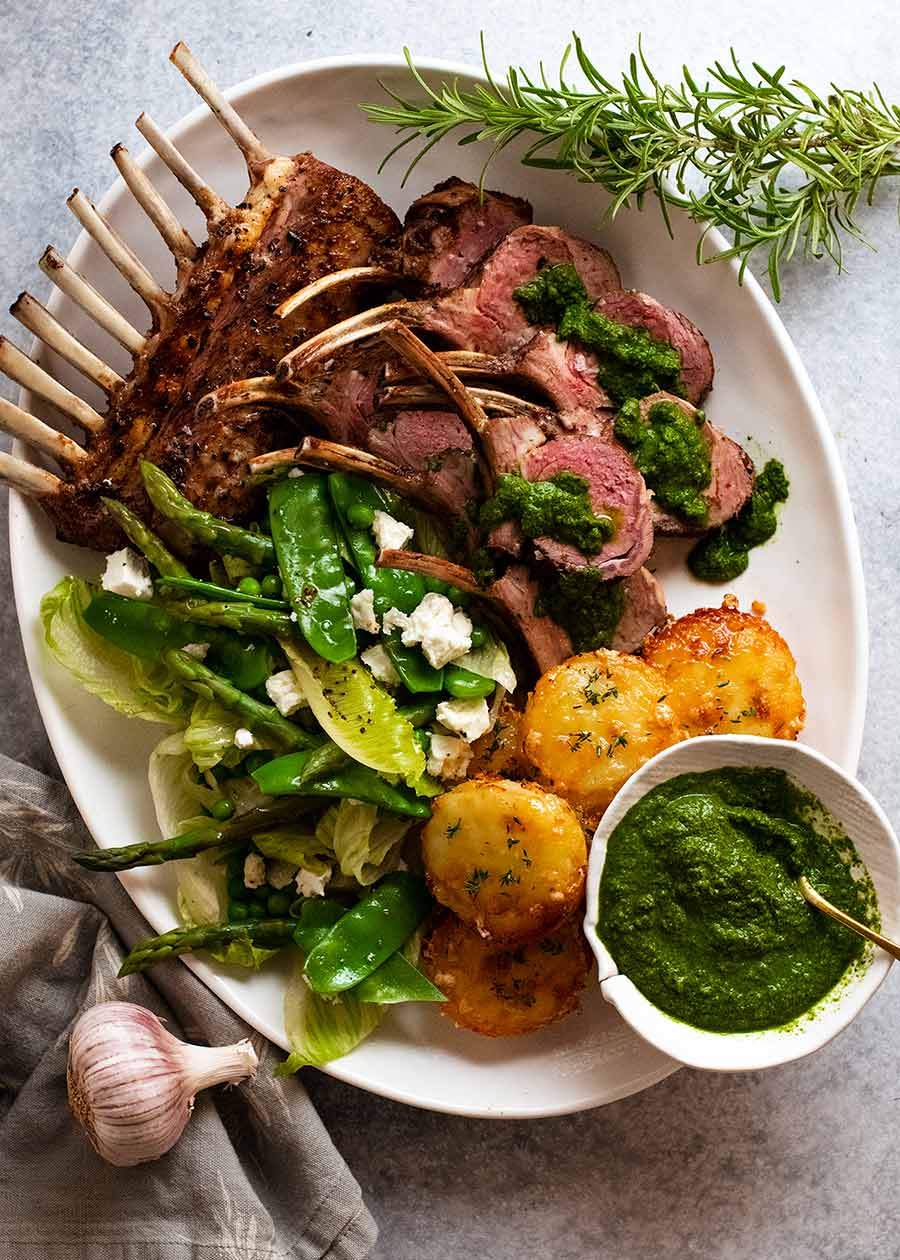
[132, 1084]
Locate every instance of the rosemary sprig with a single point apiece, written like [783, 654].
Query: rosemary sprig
[773, 162]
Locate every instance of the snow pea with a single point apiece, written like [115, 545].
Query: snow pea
[464, 685]
[418, 714]
[356, 500]
[147, 630]
[315, 919]
[284, 776]
[409, 662]
[397, 980]
[368, 934]
[309, 559]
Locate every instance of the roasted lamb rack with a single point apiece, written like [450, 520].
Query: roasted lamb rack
[300, 221]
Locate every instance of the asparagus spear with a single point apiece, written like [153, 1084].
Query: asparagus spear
[207, 836]
[264, 934]
[234, 615]
[262, 719]
[143, 537]
[220, 535]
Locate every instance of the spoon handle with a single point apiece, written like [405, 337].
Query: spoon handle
[862, 929]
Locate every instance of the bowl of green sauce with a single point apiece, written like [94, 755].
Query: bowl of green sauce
[704, 942]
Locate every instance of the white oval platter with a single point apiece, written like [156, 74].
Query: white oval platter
[809, 577]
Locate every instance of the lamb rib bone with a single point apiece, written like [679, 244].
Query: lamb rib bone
[212, 205]
[32, 315]
[434, 566]
[254, 151]
[349, 275]
[27, 478]
[160, 214]
[120, 255]
[22, 424]
[94, 304]
[25, 372]
[318, 453]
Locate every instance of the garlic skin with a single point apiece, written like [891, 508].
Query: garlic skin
[132, 1084]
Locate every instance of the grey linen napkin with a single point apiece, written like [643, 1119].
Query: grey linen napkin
[255, 1174]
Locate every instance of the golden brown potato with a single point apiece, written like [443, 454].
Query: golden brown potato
[729, 672]
[500, 750]
[507, 857]
[594, 720]
[506, 990]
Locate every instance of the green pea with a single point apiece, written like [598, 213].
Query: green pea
[249, 586]
[479, 636]
[238, 912]
[237, 890]
[278, 904]
[360, 515]
[222, 809]
[271, 586]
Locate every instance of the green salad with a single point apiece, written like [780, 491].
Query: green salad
[317, 702]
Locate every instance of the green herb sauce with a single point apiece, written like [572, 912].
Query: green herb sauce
[725, 553]
[669, 451]
[631, 363]
[585, 605]
[559, 508]
[700, 907]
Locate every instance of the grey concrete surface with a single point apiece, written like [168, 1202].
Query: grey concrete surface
[800, 1162]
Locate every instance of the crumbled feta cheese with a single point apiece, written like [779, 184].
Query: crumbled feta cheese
[127, 574]
[284, 692]
[362, 609]
[394, 619]
[469, 718]
[243, 739]
[197, 650]
[379, 663]
[390, 534]
[448, 757]
[296, 472]
[444, 632]
[254, 871]
[280, 873]
[293, 616]
[310, 885]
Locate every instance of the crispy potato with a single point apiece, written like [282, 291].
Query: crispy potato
[506, 990]
[594, 720]
[507, 857]
[729, 672]
[500, 750]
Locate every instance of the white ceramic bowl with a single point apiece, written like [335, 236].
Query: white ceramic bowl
[864, 822]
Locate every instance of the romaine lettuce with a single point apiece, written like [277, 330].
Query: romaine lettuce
[135, 687]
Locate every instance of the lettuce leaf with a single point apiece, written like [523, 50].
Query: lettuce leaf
[296, 845]
[320, 1029]
[357, 714]
[491, 660]
[127, 684]
[365, 843]
[202, 893]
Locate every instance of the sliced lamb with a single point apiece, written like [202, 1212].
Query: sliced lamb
[644, 610]
[519, 257]
[449, 230]
[732, 475]
[639, 310]
[436, 444]
[509, 440]
[566, 375]
[518, 591]
[616, 488]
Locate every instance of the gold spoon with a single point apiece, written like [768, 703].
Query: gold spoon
[817, 900]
